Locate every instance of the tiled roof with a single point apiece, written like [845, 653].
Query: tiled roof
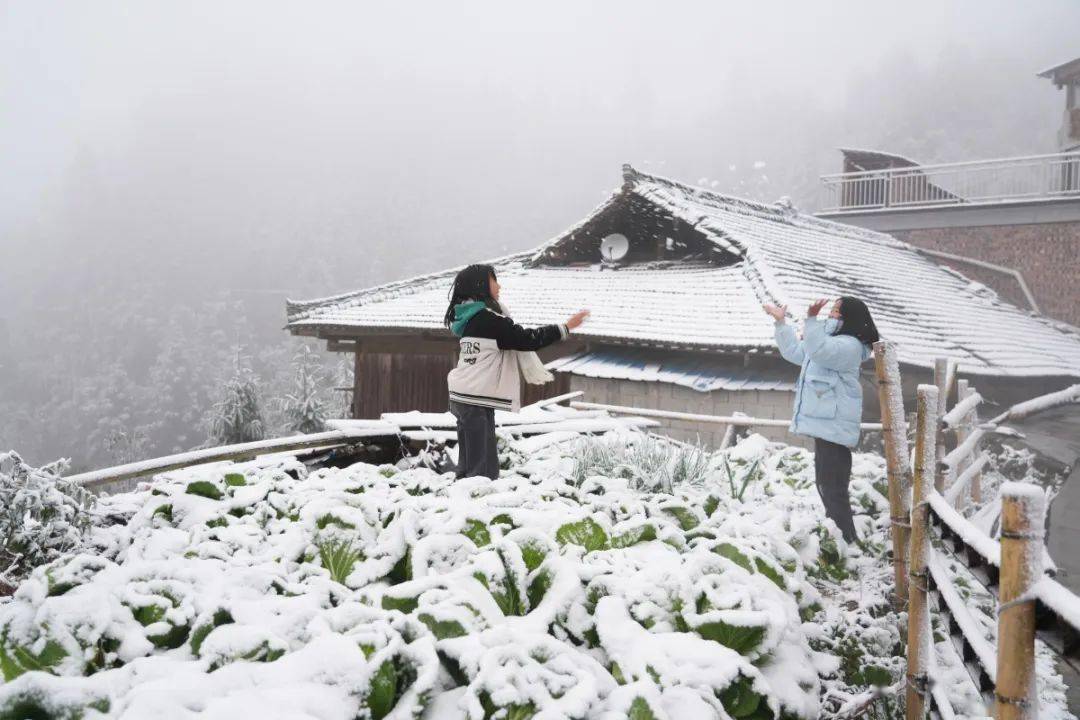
[782, 256]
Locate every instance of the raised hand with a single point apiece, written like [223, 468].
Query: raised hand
[576, 319]
[815, 307]
[776, 312]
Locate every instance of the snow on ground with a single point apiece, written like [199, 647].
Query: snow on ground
[275, 591]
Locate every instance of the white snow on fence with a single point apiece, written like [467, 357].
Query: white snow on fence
[537, 419]
[954, 417]
[1044, 402]
[954, 491]
[984, 650]
[228, 452]
[967, 531]
[737, 420]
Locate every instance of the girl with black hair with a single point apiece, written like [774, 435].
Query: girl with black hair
[828, 395]
[495, 353]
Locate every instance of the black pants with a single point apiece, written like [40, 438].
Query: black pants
[832, 468]
[478, 454]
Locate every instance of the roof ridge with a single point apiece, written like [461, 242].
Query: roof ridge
[632, 176]
[772, 211]
[295, 307]
[540, 249]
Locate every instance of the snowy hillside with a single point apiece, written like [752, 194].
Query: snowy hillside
[373, 592]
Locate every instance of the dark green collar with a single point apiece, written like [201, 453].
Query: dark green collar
[463, 313]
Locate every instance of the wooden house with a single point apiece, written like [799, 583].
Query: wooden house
[677, 321]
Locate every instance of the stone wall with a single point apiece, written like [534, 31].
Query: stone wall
[1047, 255]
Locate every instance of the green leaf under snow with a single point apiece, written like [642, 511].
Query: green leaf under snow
[616, 672]
[642, 533]
[204, 488]
[508, 596]
[198, 636]
[586, 533]
[877, 676]
[743, 703]
[235, 479]
[766, 569]
[740, 638]
[380, 700]
[733, 554]
[503, 519]
[640, 710]
[533, 553]
[171, 639]
[16, 660]
[477, 532]
[339, 556]
[324, 521]
[405, 604]
[539, 587]
[520, 712]
[442, 629]
[262, 652]
[683, 515]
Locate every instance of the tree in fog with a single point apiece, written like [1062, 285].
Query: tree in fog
[303, 407]
[237, 416]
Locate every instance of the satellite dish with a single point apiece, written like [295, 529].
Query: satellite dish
[614, 247]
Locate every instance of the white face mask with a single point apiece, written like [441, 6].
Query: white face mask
[832, 325]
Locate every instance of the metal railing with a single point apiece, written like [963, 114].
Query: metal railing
[1036, 177]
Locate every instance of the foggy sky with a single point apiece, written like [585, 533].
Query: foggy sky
[172, 134]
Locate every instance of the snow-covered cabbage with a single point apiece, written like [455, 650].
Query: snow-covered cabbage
[368, 592]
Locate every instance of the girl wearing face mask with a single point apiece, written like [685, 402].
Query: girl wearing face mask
[828, 395]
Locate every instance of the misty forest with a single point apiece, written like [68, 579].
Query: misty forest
[583, 360]
[163, 197]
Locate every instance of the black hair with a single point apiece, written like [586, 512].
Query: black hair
[470, 284]
[855, 320]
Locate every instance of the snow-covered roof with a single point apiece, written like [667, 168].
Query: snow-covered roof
[859, 155]
[775, 254]
[1061, 72]
[698, 371]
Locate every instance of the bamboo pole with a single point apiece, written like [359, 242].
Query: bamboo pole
[962, 432]
[976, 479]
[919, 647]
[894, 434]
[1023, 514]
[944, 377]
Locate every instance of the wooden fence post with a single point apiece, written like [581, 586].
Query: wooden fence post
[1023, 514]
[894, 435]
[358, 377]
[919, 645]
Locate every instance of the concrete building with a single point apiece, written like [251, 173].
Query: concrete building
[1012, 224]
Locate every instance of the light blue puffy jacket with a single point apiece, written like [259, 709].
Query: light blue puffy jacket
[828, 396]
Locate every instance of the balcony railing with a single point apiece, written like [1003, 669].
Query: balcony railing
[1037, 177]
